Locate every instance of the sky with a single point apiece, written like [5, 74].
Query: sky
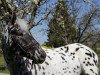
[39, 32]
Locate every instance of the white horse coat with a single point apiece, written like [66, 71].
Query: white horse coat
[73, 59]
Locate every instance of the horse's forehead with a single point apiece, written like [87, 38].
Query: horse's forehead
[22, 23]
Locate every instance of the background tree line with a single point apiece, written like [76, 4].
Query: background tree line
[67, 22]
[67, 26]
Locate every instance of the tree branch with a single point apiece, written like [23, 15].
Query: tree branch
[44, 17]
[35, 8]
[87, 24]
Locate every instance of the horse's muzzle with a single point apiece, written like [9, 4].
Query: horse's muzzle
[39, 58]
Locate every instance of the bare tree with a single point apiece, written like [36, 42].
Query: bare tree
[23, 8]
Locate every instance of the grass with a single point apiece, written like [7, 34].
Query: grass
[48, 47]
[98, 48]
[2, 63]
[4, 71]
[1, 60]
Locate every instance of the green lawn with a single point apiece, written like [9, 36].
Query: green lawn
[2, 63]
[4, 71]
[1, 60]
[98, 48]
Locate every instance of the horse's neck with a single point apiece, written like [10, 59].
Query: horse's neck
[15, 63]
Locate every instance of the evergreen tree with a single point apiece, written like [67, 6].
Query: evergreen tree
[61, 27]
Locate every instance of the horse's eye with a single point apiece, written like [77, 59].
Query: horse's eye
[20, 33]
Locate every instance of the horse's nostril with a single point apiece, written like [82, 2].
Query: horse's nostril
[43, 55]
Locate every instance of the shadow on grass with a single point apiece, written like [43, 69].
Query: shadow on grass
[4, 71]
[3, 68]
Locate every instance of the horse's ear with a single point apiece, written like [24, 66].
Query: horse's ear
[13, 18]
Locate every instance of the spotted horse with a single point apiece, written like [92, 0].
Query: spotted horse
[24, 55]
[18, 43]
[72, 59]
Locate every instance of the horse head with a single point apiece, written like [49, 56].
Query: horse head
[24, 41]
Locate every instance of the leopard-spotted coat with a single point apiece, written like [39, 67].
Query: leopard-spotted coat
[73, 59]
